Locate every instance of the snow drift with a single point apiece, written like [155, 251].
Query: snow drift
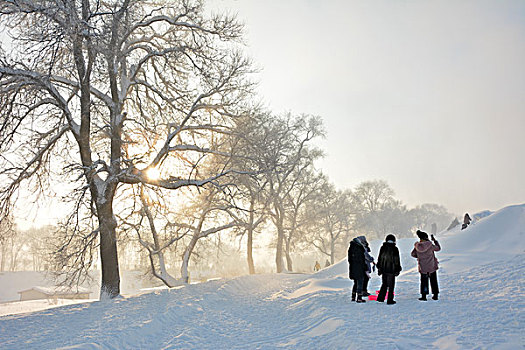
[481, 306]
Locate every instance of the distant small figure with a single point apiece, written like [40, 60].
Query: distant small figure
[388, 265]
[317, 266]
[327, 263]
[434, 228]
[453, 224]
[427, 263]
[466, 221]
[357, 267]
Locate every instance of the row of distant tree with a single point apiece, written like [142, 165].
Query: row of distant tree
[142, 117]
[214, 228]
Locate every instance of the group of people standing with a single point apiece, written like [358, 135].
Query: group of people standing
[361, 265]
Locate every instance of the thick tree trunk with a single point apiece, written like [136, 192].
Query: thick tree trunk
[166, 277]
[110, 285]
[289, 264]
[186, 258]
[163, 274]
[279, 252]
[279, 225]
[251, 265]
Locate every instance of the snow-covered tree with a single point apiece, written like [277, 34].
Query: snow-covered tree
[253, 211]
[332, 217]
[251, 197]
[212, 215]
[373, 195]
[307, 185]
[286, 152]
[425, 215]
[107, 95]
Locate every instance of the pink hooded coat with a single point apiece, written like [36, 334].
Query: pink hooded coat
[424, 252]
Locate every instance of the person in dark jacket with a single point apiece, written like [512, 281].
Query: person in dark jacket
[357, 267]
[427, 263]
[389, 266]
[466, 221]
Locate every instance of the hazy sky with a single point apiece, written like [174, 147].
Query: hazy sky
[428, 95]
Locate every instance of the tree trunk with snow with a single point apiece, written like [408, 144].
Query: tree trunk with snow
[110, 284]
[289, 264]
[279, 225]
[186, 258]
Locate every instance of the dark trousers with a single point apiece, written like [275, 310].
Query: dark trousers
[358, 286]
[365, 283]
[433, 283]
[389, 282]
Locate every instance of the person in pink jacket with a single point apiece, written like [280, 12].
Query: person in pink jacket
[427, 263]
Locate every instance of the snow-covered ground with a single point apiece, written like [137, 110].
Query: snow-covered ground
[481, 306]
[21, 307]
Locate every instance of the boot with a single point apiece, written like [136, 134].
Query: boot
[353, 296]
[423, 297]
[435, 297]
[365, 294]
[391, 302]
[360, 299]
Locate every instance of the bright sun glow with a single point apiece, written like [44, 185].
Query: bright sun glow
[153, 173]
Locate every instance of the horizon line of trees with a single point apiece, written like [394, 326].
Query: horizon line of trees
[326, 221]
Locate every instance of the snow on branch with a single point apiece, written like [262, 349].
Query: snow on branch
[43, 82]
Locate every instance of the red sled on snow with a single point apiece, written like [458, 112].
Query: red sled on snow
[374, 297]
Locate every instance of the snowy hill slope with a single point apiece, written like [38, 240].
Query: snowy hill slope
[481, 306]
[494, 238]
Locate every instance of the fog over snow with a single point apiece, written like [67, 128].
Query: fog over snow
[481, 306]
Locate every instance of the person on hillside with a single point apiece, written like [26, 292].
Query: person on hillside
[427, 263]
[327, 263]
[466, 221]
[357, 267]
[370, 264]
[317, 266]
[389, 267]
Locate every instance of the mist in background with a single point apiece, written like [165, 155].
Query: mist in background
[429, 96]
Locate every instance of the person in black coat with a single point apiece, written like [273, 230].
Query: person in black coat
[389, 266]
[357, 267]
[466, 221]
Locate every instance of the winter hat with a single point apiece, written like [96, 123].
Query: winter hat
[390, 238]
[422, 235]
[362, 239]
